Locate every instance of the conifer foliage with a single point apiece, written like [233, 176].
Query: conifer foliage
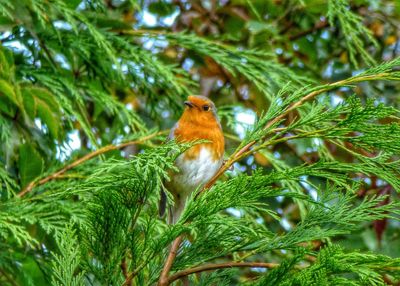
[308, 97]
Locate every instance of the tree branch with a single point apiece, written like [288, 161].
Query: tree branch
[164, 280]
[124, 269]
[83, 159]
[207, 267]
[8, 278]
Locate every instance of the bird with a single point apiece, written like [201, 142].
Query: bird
[197, 165]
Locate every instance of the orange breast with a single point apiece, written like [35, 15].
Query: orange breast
[186, 131]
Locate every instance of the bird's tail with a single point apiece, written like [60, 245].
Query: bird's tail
[162, 205]
[175, 211]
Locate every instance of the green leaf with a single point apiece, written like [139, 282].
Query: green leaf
[40, 102]
[45, 96]
[6, 63]
[30, 105]
[31, 272]
[161, 8]
[7, 107]
[73, 3]
[66, 264]
[7, 90]
[30, 163]
[256, 27]
[49, 118]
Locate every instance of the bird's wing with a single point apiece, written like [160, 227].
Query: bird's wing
[162, 204]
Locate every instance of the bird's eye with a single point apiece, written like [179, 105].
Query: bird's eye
[206, 107]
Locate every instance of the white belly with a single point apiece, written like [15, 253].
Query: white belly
[194, 173]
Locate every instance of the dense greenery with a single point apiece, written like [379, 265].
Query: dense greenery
[308, 94]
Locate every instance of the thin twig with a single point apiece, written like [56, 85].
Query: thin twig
[45, 49]
[137, 270]
[8, 278]
[164, 280]
[124, 269]
[83, 159]
[207, 267]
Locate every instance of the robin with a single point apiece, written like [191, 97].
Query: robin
[198, 164]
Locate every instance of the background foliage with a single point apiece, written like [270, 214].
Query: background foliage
[88, 90]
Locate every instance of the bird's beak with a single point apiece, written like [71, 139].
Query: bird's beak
[188, 103]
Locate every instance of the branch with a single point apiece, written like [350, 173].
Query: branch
[207, 267]
[8, 278]
[124, 269]
[45, 49]
[164, 280]
[83, 159]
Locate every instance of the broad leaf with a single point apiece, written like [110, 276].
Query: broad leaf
[40, 102]
[7, 90]
[6, 63]
[30, 164]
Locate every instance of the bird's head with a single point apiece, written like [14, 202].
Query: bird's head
[200, 110]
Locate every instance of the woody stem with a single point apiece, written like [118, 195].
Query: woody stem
[164, 280]
[83, 159]
[207, 267]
